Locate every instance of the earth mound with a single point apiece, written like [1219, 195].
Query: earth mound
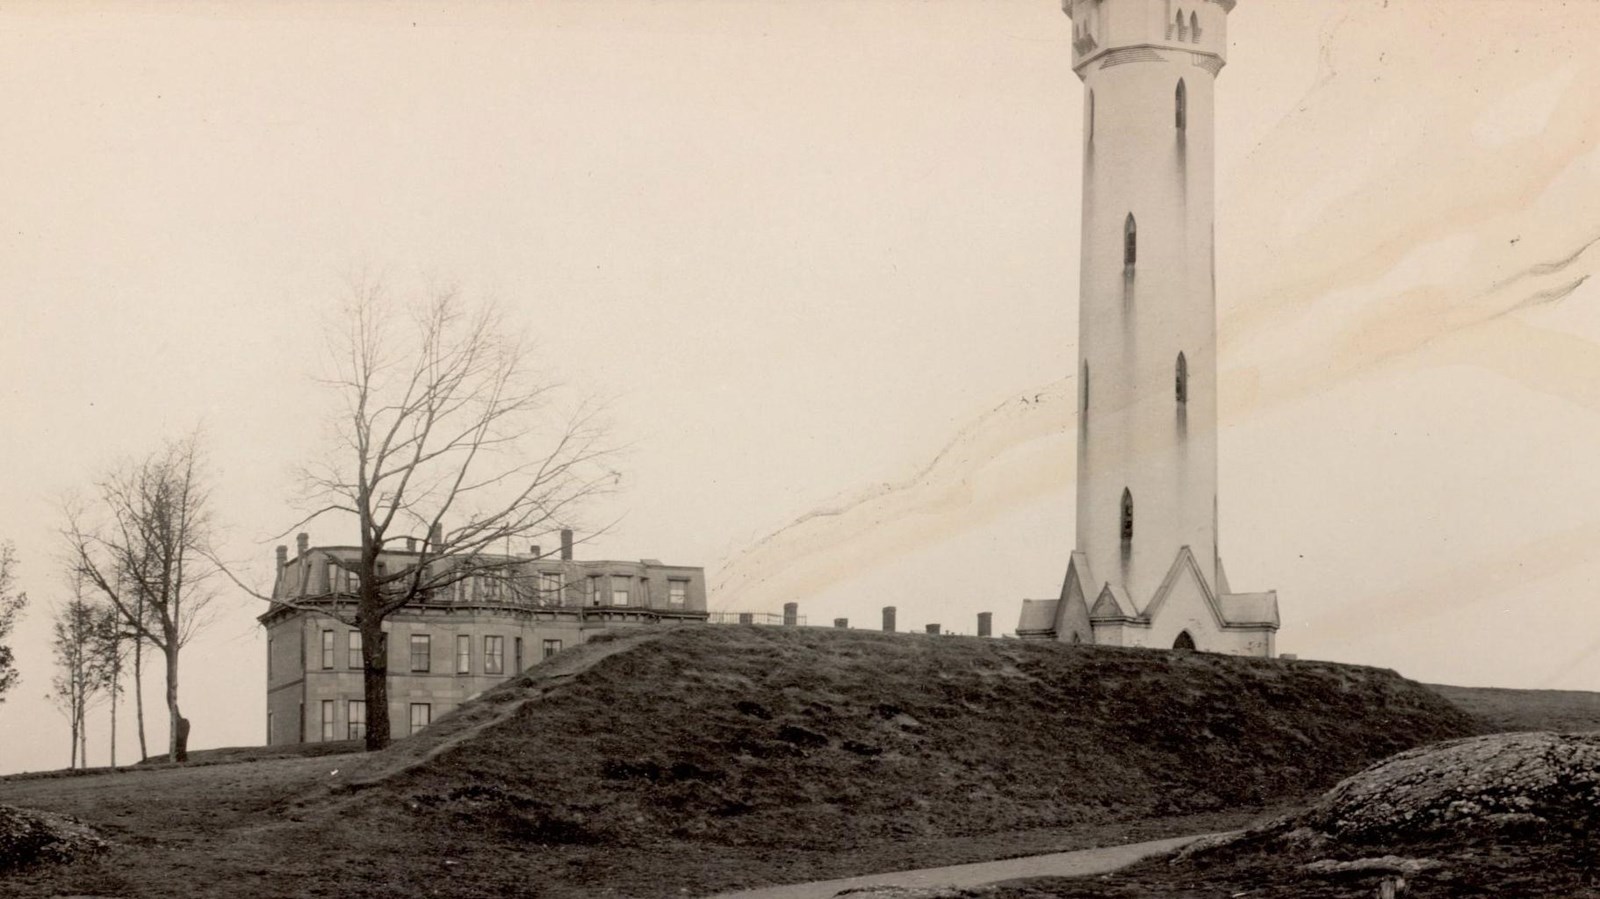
[822, 739]
[29, 838]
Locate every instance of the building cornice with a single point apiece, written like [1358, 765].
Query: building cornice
[1195, 56]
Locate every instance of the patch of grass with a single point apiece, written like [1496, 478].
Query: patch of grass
[1502, 710]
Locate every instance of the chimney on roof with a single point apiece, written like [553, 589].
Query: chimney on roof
[535, 552]
[933, 629]
[841, 623]
[411, 544]
[302, 542]
[985, 624]
[888, 619]
[435, 536]
[791, 614]
[283, 556]
[566, 544]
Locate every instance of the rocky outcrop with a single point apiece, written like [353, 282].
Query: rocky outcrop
[1508, 789]
[1500, 782]
[29, 837]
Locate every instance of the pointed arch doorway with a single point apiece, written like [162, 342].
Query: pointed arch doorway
[1184, 642]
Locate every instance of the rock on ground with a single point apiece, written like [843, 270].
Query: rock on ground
[1509, 788]
[29, 837]
[1499, 782]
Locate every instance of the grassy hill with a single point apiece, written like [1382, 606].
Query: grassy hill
[819, 739]
[1502, 710]
[703, 758]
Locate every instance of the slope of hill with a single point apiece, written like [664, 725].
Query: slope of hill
[1503, 710]
[690, 760]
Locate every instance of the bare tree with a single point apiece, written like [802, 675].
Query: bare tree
[443, 429]
[81, 674]
[12, 602]
[144, 545]
[110, 645]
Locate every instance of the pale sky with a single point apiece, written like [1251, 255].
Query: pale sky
[820, 252]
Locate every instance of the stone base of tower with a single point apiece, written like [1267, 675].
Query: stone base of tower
[1184, 613]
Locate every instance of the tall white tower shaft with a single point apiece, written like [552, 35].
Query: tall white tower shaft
[1147, 366]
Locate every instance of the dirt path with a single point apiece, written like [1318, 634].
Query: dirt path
[1059, 864]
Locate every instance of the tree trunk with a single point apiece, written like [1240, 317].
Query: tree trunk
[138, 691]
[177, 727]
[114, 672]
[375, 681]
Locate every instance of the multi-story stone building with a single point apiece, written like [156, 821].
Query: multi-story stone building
[455, 644]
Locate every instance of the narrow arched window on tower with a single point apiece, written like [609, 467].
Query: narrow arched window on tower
[1183, 27]
[1194, 27]
[1127, 519]
[1183, 380]
[1130, 242]
[1181, 104]
[1085, 387]
[1090, 129]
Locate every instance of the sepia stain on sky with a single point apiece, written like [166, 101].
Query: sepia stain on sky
[824, 257]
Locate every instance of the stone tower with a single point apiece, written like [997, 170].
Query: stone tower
[1147, 363]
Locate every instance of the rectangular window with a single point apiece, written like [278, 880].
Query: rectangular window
[334, 580]
[551, 647]
[619, 590]
[421, 652]
[677, 592]
[494, 655]
[269, 665]
[327, 649]
[517, 657]
[269, 728]
[357, 718]
[354, 651]
[463, 654]
[550, 588]
[421, 716]
[327, 720]
[591, 591]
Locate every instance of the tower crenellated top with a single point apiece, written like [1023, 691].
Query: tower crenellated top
[1102, 26]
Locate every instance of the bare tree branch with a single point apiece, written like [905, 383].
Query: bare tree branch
[443, 428]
